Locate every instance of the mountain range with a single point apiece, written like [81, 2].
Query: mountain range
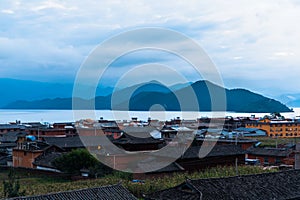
[142, 97]
[12, 90]
[292, 100]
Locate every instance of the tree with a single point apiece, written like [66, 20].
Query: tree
[74, 161]
[11, 187]
[277, 115]
[100, 170]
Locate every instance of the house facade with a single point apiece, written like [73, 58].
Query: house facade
[277, 128]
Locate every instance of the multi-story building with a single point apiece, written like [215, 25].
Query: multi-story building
[277, 128]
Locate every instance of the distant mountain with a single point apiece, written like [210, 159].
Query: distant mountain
[180, 86]
[238, 100]
[245, 101]
[292, 100]
[143, 97]
[122, 96]
[12, 90]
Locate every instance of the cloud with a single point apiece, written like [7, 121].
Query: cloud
[48, 40]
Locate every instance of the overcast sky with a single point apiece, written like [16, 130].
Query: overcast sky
[254, 45]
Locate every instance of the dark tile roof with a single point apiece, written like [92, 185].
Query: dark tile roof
[7, 145]
[168, 129]
[75, 142]
[140, 131]
[11, 126]
[11, 136]
[193, 151]
[153, 164]
[129, 139]
[34, 125]
[266, 186]
[111, 192]
[5, 159]
[173, 167]
[45, 160]
[64, 123]
[65, 142]
[277, 152]
[107, 124]
[233, 141]
[217, 150]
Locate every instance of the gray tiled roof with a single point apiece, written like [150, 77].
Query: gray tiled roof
[65, 142]
[266, 186]
[130, 139]
[217, 150]
[12, 136]
[74, 142]
[192, 152]
[45, 160]
[111, 192]
[276, 152]
[11, 126]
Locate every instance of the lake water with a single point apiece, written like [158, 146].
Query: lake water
[68, 115]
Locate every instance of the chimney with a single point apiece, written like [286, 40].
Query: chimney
[297, 156]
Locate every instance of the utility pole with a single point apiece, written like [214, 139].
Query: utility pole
[236, 158]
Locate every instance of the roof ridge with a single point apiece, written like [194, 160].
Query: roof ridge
[247, 175]
[70, 191]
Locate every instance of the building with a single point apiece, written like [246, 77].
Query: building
[241, 142]
[250, 132]
[272, 156]
[109, 127]
[111, 192]
[276, 127]
[267, 186]
[5, 128]
[26, 152]
[45, 160]
[91, 143]
[168, 133]
[219, 155]
[66, 143]
[135, 143]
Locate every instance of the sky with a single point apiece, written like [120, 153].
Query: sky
[254, 45]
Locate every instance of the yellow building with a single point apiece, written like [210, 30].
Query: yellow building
[277, 128]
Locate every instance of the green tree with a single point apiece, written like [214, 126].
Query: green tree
[100, 170]
[74, 161]
[11, 187]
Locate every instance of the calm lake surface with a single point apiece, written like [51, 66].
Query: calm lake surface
[68, 115]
